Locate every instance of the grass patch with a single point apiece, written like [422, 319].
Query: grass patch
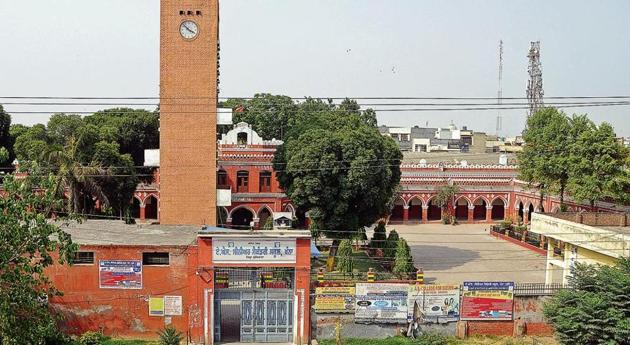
[438, 340]
[128, 342]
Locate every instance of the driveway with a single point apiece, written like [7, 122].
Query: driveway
[453, 254]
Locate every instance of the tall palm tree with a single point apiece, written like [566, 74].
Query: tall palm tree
[73, 176]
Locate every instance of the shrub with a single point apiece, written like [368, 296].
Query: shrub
[344, 257]
[403, 262]
[92, 338]
[431, 339]
[268, 225]
[379, 237]
[597, 308]
[170, 336]
[389, 251]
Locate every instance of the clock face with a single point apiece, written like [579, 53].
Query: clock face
[188, 29]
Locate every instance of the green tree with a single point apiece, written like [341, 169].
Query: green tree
[120, 180]
[403, 261]
[334, 162]
[596, 308]
[344, 257]
[389, 252]
[4, 155]
[445, 199]
[379, 237]
[544, 161]
[268, 225]
[28, 243]
[597, 162]
[75, 177]
[5, 137]
[268, 114]
[31, 143]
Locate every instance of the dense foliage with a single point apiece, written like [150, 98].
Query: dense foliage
[344, 257]
[597, 308]
[28, 243]
[403, 261]
[379, 237]
[5, 137]
[93, 156]
[389, 252]
[573, 154]
[445, 199]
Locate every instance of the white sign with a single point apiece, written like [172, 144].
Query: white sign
[381, 302]
[172, 305]
[253, 250]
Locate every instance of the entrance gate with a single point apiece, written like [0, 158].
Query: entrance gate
[246, 310]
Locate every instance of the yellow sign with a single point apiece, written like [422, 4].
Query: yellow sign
[334, 299]
[156, 306]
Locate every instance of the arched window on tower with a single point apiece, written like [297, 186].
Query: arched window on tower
[222, 180]
[241, 138]
[265, 181]
[242, 181]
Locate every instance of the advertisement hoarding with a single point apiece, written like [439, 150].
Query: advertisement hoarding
[334, 299]
[381, 302]
[487, 301]
[434, 303]
[120, 274]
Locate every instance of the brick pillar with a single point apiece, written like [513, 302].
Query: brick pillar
[526, 216]
[425, 214]
[256, 221]
[471, 213]
[405, 214]
[142, 213]
[489, 214]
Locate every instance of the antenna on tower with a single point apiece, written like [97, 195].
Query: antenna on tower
[534, 85]
[500, 91]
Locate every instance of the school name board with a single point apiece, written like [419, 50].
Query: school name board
[381, 303]
[487, 301]
[434, 303]
[252, 250]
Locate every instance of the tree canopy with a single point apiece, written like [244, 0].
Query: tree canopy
[336, 164]
[573, 154]
[29, 243]
[5, 137]
[596, 308]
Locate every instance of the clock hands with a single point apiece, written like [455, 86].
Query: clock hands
[187, 28]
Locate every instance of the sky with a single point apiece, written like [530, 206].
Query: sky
[329, 48]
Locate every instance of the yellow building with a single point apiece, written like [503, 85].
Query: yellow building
[585, 237]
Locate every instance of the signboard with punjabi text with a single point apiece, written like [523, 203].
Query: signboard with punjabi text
[253, 250]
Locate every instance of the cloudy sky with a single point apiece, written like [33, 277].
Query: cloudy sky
[329, 48]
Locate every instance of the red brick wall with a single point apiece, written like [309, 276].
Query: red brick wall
[538, 329]
[490, 328]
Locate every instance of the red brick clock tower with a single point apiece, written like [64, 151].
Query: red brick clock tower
[189, 34]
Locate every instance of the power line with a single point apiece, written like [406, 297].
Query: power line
[311, 98]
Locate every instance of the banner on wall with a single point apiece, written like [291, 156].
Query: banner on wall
[253, 250]
[173, 305]
[487, 301]
[381, 303]
[334, 299]
[156, 306]
[120, 274]
[434, 303]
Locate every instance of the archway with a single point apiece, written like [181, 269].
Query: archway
[479, 213]
[263, 215]
[222, 216]
[521, 210]
[461, 209]
[397, 211]
[498, 209]
[415, 209]
[242, 218]
[135, 208]
[434, 212]
[151, 207]
[530, 210]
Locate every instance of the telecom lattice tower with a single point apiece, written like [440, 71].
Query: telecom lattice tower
[500, 91]
[534, 85]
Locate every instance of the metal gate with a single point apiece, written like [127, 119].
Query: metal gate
[253, 305]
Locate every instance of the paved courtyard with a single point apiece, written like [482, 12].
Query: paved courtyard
[453, 254]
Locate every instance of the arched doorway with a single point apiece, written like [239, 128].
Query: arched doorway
[263, 215]
[530, 210]
[135, 208]
[397, 211]
[521, 209]
[434, 212]
[498, 209]
[242, 218]
[415, 209]
[479, 213]
[461, 209]
[222, 216]
[151, 207]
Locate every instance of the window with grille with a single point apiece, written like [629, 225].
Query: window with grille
[222, 179]
[242, 181]
[83, 258]
[265, 181]
[155, 259]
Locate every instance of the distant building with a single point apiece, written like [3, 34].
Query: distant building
[581, 237]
